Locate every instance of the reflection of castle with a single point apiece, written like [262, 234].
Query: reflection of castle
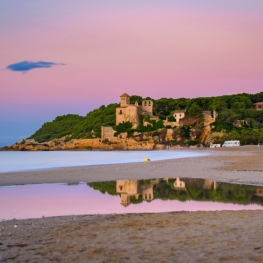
[210, 184]
[129, 188]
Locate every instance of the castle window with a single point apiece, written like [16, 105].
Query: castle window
[120, 112]
[149, 103]
[150, 197]
[145, 196]
[145, 103]
[121, 188]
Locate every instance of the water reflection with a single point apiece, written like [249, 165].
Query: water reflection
[182, 189]
[127, 196]
[258, 192]
[129, 189]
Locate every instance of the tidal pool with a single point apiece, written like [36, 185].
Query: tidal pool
[126, 196]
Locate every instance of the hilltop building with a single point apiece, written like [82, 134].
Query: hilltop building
[258, 106]
[178, 115]
[132, 112]
[209, 117]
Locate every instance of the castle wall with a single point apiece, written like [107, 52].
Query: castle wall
[107, 132]
[147, 105]
[120, 115]
[125, 101]
[147, 193]
[130, 114]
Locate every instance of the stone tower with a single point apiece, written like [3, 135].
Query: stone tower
[125, 100]
[147, 105]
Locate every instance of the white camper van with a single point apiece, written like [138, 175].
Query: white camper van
[231, 143]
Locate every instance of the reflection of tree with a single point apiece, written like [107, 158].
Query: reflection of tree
[104, 187]
[243, 194]
[165, 191]
[195, 189]
[135, 200]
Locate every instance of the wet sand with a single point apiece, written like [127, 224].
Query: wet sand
[223, 236]
[238, 164]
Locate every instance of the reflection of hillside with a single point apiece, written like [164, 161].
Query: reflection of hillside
[182, 189]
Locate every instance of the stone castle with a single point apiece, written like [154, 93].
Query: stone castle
[132, 112]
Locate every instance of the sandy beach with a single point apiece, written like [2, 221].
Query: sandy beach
[238, 164]
[223, 236]
[169, 237]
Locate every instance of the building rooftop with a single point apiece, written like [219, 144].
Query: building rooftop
[124, 95]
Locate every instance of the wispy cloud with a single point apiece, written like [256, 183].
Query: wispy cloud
[25, 66]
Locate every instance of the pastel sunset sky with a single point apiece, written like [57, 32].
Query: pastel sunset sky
[77, 55]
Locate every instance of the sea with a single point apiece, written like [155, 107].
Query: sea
[11, 161]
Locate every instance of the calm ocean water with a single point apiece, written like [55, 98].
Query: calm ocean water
[21, 161]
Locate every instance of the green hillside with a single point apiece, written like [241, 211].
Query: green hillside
[235, 116]
[77, 126]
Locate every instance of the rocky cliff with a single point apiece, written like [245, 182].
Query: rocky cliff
[84, 144]
[166, 139]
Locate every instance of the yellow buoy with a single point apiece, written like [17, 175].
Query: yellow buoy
[146, 159]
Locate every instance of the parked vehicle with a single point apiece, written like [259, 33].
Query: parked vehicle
[231, 143]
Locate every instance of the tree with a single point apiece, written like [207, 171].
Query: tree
[195, 110]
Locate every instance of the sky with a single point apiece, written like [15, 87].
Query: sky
[60, 57]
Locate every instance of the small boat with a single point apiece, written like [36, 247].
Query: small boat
[146, 159]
